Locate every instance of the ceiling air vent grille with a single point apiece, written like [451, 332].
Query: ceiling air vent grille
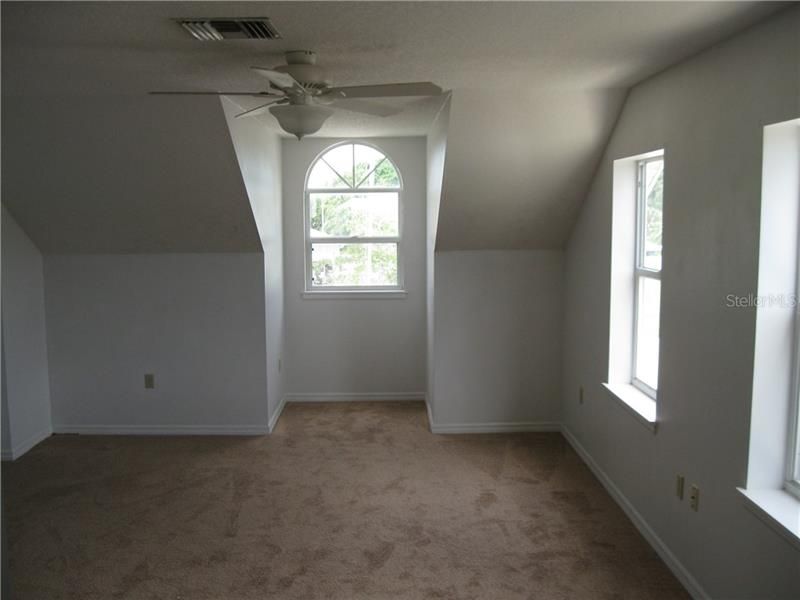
[208, 30]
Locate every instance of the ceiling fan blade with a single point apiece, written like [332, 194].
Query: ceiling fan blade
[282, 81]
[364, 106]
[159, 93]
[420, 88]
[258, 109]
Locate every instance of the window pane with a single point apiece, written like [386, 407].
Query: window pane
[323, 177]
[647, 335]
[373, 169]
[341, 160]
[366, 159]
[354, 264]
[384, 176]
[346, 215]
[654, 198]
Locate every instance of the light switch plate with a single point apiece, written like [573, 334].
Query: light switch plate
[149, 381]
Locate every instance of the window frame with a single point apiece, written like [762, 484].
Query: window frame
[309, 241]
[640, 271]
[792, 479]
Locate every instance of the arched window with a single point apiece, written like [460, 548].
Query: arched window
[353, 220]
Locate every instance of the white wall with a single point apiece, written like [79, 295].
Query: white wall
[497, 339]
[355, 346]
[708, 114]
[258, 150]
[196, 321]
[436, 152]
[25, 385]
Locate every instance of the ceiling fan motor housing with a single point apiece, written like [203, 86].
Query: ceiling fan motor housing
[302, 65]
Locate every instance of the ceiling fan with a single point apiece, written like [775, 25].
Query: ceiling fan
[301, 95]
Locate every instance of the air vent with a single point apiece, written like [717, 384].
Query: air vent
[209, 30]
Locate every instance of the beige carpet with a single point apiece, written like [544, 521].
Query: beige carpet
[343, 501]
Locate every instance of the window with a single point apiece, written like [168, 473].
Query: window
[773, 470]
[353, 223]
[647, 273]
[793, 458]
[784, 139]
[635, 299]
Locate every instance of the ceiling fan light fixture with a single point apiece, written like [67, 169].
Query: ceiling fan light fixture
[301, 119]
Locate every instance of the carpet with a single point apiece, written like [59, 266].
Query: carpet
[342, 501]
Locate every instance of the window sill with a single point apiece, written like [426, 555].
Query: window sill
[355, 295]
[637, 403]
[778, 509]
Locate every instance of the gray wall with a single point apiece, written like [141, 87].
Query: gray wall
[258, 150]
[497, 339]
[708, 114]
[25, 385]
[356, 346]
[196, 321]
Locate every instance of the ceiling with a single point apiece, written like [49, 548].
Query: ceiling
[536, 86]
[131, 47]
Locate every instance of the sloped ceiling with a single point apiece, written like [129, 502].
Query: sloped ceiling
[516, 179]
[88, 175]
[536, 89]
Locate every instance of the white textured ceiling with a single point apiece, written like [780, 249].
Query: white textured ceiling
[537, 86]
[131, 47]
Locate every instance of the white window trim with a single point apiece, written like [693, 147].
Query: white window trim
[640, 271]
[771, 489]
[624, 262]
[777, 509]
[353, 291]
[641, 406]
[792, 481]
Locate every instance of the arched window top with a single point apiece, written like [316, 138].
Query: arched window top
[353, 166]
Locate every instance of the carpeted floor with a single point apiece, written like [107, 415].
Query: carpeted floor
[343, 501]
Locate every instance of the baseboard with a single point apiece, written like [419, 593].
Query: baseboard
[277, 415]
[501, 427]
[682, 573]
[356, 397]
[162, 429]
[20, 449]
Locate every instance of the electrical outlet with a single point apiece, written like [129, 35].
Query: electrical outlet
[580, 395]
[694, 498]
[679, 481]
[280, 365]
[149, 381]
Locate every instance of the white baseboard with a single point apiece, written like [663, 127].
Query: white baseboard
[501, 427]
[163, 429]
[356, 397]
[682, 573]
[277, 415]
[20, 449]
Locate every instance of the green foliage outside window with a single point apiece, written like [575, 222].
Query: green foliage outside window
[655, 202]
